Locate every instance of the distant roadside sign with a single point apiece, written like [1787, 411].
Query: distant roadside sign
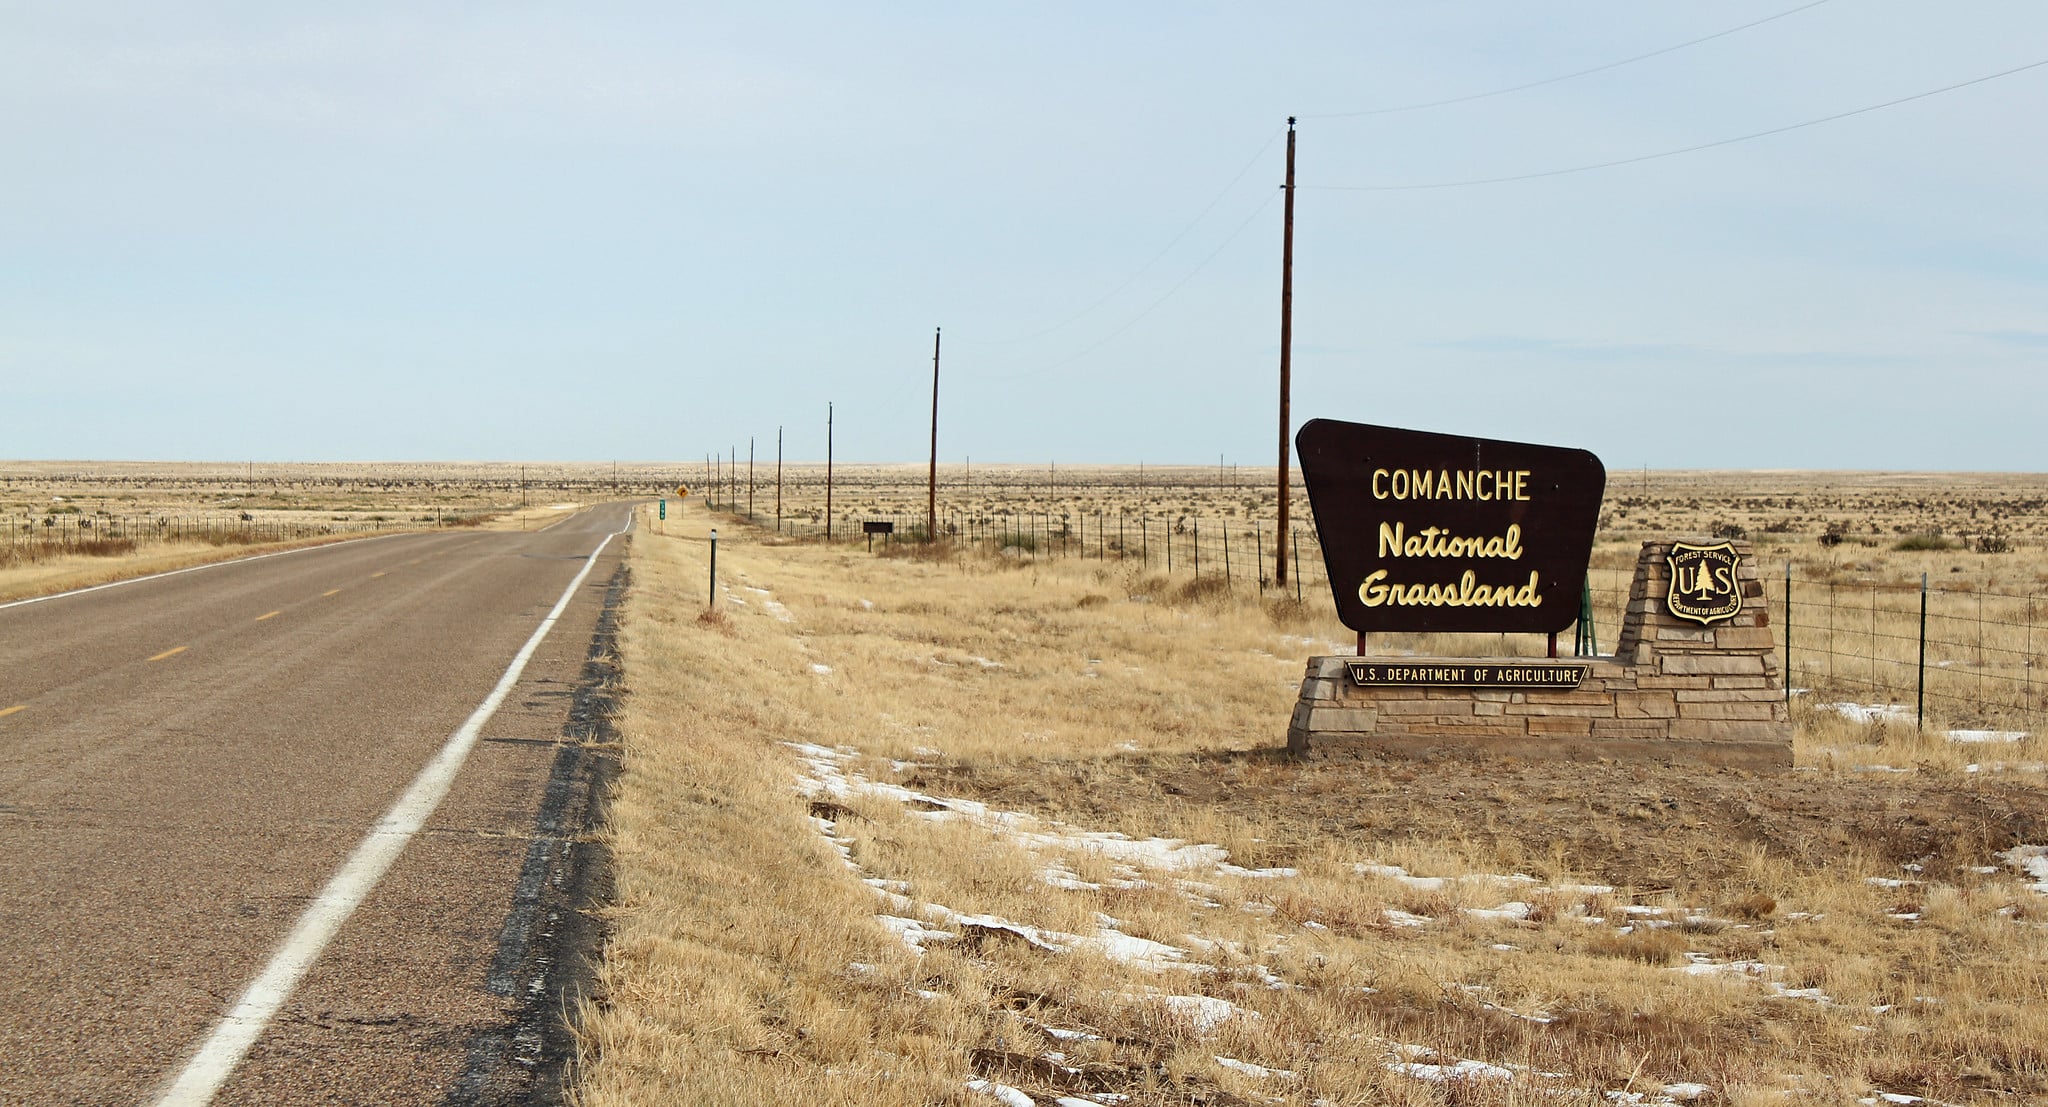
[682, 491]
[664, 510]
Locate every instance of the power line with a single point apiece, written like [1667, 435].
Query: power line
[1136, 319]
[1684, 149]
[1145, 268]
[1565, 76]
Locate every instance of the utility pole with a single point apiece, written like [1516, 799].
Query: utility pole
[931, 490]
[1286, 349]
[828, 472]
[778, 480]
[750, 478]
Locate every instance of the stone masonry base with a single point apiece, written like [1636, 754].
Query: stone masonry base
[1674, 691]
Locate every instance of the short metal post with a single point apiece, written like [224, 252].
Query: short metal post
[1920, 704]
[712, 595]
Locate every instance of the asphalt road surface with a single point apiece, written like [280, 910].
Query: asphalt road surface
[187, 762]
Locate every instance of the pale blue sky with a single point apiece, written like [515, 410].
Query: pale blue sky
[288, 232]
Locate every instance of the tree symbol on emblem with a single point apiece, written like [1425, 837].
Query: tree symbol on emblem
[1703, 583]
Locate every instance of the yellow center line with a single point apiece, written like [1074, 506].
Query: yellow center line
[169, 652]
[329, 592]
[272, 615]
[6, 711]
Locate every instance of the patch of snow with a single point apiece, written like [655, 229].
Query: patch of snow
[1398, 917]
[1228, 869]
[1401, 875]
[1701, 964]
[1206, 1013]
[1988, 735]
[2031, 860]
[1068, 881]
[1260, 1071]
[1457, 1070]
[1869, 712]
[913, 932]
[1899, 713]
[1511, 911]
[820, 669]
[1141, 952]
[1002, 1093]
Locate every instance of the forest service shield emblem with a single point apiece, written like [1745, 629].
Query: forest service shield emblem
[1704, 587]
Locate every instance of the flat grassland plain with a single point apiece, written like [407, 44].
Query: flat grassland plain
[981, 824]
[73, 524]
[1007, 820]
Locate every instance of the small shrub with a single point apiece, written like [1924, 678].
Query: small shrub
[1913, 542]
[1723, 529]
[1203, 590]
[1995, 542]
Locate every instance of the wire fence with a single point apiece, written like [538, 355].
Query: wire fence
[34, 538]
[1238, 552]
[1959, 656]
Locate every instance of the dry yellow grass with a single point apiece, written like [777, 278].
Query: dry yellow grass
[65, 572]
[974, 734]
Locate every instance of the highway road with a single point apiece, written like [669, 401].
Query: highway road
[264, 839]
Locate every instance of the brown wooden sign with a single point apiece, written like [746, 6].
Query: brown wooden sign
[1438, 532]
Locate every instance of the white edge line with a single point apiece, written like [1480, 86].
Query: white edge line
[224, 1049]
[197, 568]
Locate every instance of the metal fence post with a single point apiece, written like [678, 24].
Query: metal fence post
[1788, 632]
[711, 595]
[1920, 704]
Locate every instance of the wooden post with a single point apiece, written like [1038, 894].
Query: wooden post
[1286, 352]
[931, 502]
